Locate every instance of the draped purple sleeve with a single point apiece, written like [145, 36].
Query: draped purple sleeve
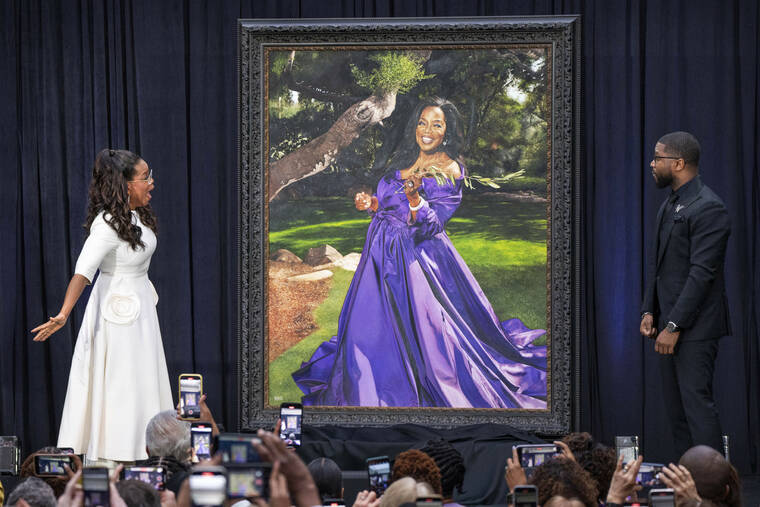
[441, 201]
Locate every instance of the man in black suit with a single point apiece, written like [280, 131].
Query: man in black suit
[685, 298]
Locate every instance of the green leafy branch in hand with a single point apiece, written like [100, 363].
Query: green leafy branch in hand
[444, 177]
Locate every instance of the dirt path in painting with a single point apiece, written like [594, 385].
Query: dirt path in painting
[294, 303]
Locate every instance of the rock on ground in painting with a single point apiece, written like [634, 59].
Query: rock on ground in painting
[283, 255]
[310, 277]
[324, 254]
[349, 261]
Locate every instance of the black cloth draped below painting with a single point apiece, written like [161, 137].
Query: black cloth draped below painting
[159, 78]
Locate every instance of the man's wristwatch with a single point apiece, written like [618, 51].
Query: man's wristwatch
[672, 327]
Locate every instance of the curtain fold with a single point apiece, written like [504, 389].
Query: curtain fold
[159, 78]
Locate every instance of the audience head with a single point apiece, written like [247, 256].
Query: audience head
[138, 494]
[564, 477]
[450, 465]
[716, 479]
[166, 435]
[595, 458]
[34, 491]
[419, 466]
[328, 478]
[404, 490]
[27, 470]
[561, 501]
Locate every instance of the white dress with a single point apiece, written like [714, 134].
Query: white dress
[118, 378]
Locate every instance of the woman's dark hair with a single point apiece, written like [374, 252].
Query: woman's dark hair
[450, 463]
[595, 458]
[453, 139]
[108, 193]
[328, 478]
[419, 466]
[564, 477]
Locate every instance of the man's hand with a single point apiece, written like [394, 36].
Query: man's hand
[623, 482]
[666, 341]
[679, 479]
[513, 472]
[647, 328]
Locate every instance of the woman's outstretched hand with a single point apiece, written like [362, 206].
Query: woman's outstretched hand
[363, 201]
[51, 326]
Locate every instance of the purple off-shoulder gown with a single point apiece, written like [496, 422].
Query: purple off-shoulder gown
[416, 329]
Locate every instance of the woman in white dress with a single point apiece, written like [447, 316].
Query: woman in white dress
[118, 377]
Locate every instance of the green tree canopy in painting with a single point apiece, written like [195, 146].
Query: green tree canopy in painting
[336, 116]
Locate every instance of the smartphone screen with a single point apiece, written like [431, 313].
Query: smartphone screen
[531, 456]
[95, 486]
[627, 447]
[291, 415]
[379, 471]
[525, 496]
[200, 440]
[208, 485]
[661, 497]
[154, 476]
[190, 392]
[51, 465]
[238, 448]
[250, 481]
[648, 475]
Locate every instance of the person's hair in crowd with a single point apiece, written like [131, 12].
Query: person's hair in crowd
[683, 145]
[595, 458]
[138, 494]
[34, 491]
[453, 139]
[165, 435]
[564, 477]
[328, 478]
[404, 490]
[716, 479]
[419, 466]
[450, 465]
[27, 470]
[108, 193]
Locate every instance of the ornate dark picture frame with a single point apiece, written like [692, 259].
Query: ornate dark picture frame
[560, 34]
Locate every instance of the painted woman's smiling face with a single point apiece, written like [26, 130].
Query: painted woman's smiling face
[431, 128]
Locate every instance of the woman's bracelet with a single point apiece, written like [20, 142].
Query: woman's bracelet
[419, 205]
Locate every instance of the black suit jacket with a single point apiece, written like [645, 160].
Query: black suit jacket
[685, 280]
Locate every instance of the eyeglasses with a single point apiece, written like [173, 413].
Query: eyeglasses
[146, 180]
[659, 157]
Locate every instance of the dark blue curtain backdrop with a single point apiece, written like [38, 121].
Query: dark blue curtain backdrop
[159, 78]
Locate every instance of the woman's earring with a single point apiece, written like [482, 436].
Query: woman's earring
[445, 142]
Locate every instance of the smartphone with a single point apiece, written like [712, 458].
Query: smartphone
[627, 447]
[51, 465]
[532, 455]
[155, 476]
[648, 475]
[333, 502]
[429, 501]
[661, 497]
[95, 485]
[525, 496]
[379, 471]
[249, 481]
[237, 448]
[208, 485]
[200, 440]
[291, 415]
[190, 392]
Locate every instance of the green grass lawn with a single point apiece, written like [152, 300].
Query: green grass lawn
[503, 243]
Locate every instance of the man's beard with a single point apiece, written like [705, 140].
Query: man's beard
[662, 180]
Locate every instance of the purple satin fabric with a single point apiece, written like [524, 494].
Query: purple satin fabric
[416, 329]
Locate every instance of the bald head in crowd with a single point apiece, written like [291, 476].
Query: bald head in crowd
[716, 479]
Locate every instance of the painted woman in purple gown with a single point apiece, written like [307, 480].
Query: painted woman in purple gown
[416, 329]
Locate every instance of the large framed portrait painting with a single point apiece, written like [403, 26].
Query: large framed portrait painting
[408, 209]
